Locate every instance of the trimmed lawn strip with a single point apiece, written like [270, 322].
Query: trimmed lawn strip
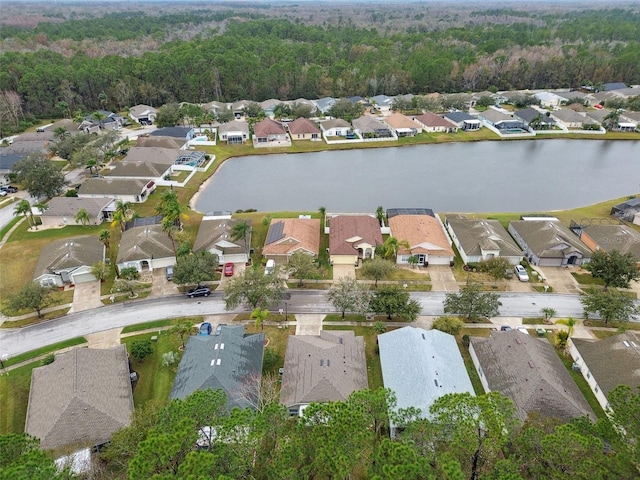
[582, 384]
[9, 226]
[14, 398]
[160, 323]
[275, 351]
[587, 279]
[154, 379]
[374, 369]
[468, 362]
[41, 351]
[32, 320]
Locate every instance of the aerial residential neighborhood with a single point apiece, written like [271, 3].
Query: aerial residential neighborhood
[152, 325]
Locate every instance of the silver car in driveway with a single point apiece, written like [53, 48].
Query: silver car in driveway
[521, 273]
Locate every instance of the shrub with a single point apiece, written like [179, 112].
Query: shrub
[448, 324]
[466, 340]
[561, 338]
[48, 360]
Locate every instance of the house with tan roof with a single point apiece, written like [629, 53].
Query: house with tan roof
[146, 248]
[402, 125]
[431, 123]
[68, 261]
[287, 236]
[62, 211]
[304, 129]
[608, 363]
[270, 133]
[336, 127]
[528, 370]
[322, 368]
[548, 243]
[234, 132]
[426, 238]
[353, 237]
[81, 399]
[478, 239]
[132, 190]
[610, 237]
[215, 236]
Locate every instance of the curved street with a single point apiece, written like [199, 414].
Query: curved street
[20, 340]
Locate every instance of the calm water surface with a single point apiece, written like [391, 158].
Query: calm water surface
[513, 176]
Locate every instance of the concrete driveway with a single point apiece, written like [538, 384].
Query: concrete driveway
[560, 279]
[442, 279]
[343, 271]
[160, 286]
[238, 269]
[309, 324]
[86, 296]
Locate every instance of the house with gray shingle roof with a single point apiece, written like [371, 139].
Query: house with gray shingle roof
[610, 237]
[463, 120]
[368, 127]
[143, 114]
[62, 211]
[478, 239]
[132, 190]
[540, 120]
[548, 243]
[146, 247]
[382, 103]
[572, 119]
[608, 363]
[421, 366]
[324, 104]
[228, 359]
[322, 368]
[626, 211]
[528, 370]
[81, 399]
[234, 132]
[68, 261]
[336, 127]
[215, 236]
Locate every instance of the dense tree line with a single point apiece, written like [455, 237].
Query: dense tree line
[261, 59]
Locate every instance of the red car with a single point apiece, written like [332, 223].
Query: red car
[228, 269]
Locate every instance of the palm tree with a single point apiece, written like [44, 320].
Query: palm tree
[380, 215]
[61, 132]
[170, 228]
[78, 116]
[100, 118]
[124, 212]
[392, 245]
[103, 99]
[93, 163]
[241, 231]
[323, 212]
[611, 121]
[260, 316]
[24, 208]
[83, 217]
[41, 207]
[536, 122]
[104, 236]
[170, 208]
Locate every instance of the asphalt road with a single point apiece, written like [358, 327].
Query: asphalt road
[16, 341]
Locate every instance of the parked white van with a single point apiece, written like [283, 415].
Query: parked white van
[270, 267]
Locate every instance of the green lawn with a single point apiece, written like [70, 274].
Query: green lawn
[468, 362]
[154, 379]
[582, 384]
[40, 351]
[160, 323]
[14, 398]
[587, 279]
[374, 370]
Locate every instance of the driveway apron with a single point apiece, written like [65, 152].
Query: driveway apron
[442, 279]
[343, 271]
[86, 296]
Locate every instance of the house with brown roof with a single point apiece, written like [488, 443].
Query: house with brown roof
[353, 237]
[81, 399]
[322, 368]
[215, 236]
[287, 236]
[431, 123]
[234, 132]
[270, 133]
[608, 363]
[132, 190]
[548, 243]
[68, 261]
[304, 129]
[402, 125]
[146, 247]
[478, 239]
[528, 370]
[62, 211]
[610, 237]
[426, 238]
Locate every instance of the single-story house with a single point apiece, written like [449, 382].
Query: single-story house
[132, 190]
[535, 118]
[304, 129]
[234, 132]
[215, 235]
[431, 122]
[608, 363]
[466, 99]
[215, 107]
[151, 168]
[550, 100]
[238, 108]
[146, 248]
[68, 261]
[548, 243]
[102, 119]
[402, 125]
[268, 106]
[302, 101]
[270, 133]
[627, 92]
[322, 368]
[587, 99]
[626, 210]
[62, 211]
[420, 366]
[463, 120]
[368, 127]
[161, 142]
[81, 399]
[610, 237]
[572, 119]
[607, 87]
[353, 237]
[287, 236]
[324, 104]
[600, 116]
[528, 370]
[500, 120]
[182, 133]
[382, 103]
[480, 239]
[143, 114]
[336, 127]
[426, 237]
[228, 359]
